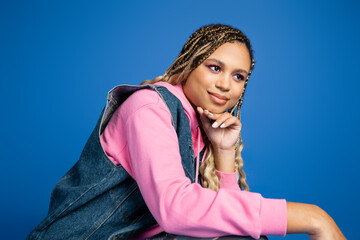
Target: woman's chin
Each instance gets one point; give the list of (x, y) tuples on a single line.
[(215, 109)]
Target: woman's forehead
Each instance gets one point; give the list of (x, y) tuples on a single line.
[(233, 54)]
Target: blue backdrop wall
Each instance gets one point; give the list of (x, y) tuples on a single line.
[(300, 115)]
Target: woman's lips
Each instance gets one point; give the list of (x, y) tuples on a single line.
[(218, 98)]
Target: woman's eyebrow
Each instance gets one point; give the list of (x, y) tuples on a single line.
[(223, 64)]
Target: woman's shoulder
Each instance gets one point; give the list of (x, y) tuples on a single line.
[(142, 99), (148, 96)]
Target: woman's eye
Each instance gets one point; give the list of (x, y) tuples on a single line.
[(239, 77), (214, 68)]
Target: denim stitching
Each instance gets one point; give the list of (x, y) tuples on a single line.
[(133, 188), (103, 219), (100, 222), (54, 216), (122, 211)]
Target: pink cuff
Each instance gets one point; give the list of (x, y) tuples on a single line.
[(228, 180), (273, 216)]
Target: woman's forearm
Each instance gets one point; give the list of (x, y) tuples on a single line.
[(302, 218), (312, 220)]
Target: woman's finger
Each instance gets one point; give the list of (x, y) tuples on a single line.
[(224, 120), (204, 118), (231, 122)]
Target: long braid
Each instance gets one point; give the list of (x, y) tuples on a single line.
[(200, 45)]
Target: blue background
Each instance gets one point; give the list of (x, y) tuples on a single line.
[(300, 115)]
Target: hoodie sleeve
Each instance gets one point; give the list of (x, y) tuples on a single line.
[(185, 208), (228, 180)]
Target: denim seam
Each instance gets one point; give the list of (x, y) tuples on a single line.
[(54, 216), (142, 216), (117, 200), (108, 112), (61, 180), (109, 213), (133, 188), (113, 99), (100, 222)]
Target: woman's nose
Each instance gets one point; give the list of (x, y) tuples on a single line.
[(223, 83)]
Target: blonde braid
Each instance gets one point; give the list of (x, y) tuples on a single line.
[(239, 163), (207, 169), (200, 45)]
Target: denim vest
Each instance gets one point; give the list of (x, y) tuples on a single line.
[(99, 200)]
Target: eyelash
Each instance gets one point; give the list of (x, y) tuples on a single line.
[(240, 78), (214, 66)]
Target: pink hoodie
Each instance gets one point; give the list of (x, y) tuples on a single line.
[(141, 138)]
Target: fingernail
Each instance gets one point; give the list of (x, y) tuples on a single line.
[(222, 125), (214, 125), (208, 112)]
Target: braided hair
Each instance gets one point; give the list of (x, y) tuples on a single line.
[(200, 45)]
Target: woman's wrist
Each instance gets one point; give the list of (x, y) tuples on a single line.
[(224, 159)]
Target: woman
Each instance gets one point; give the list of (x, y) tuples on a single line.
[(138, 176)]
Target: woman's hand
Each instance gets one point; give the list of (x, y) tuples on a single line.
[(312, 220), (223, 134)]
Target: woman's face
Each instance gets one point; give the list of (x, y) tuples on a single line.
[(218, 82)]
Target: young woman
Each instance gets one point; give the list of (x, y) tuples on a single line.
[(165, 157)]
